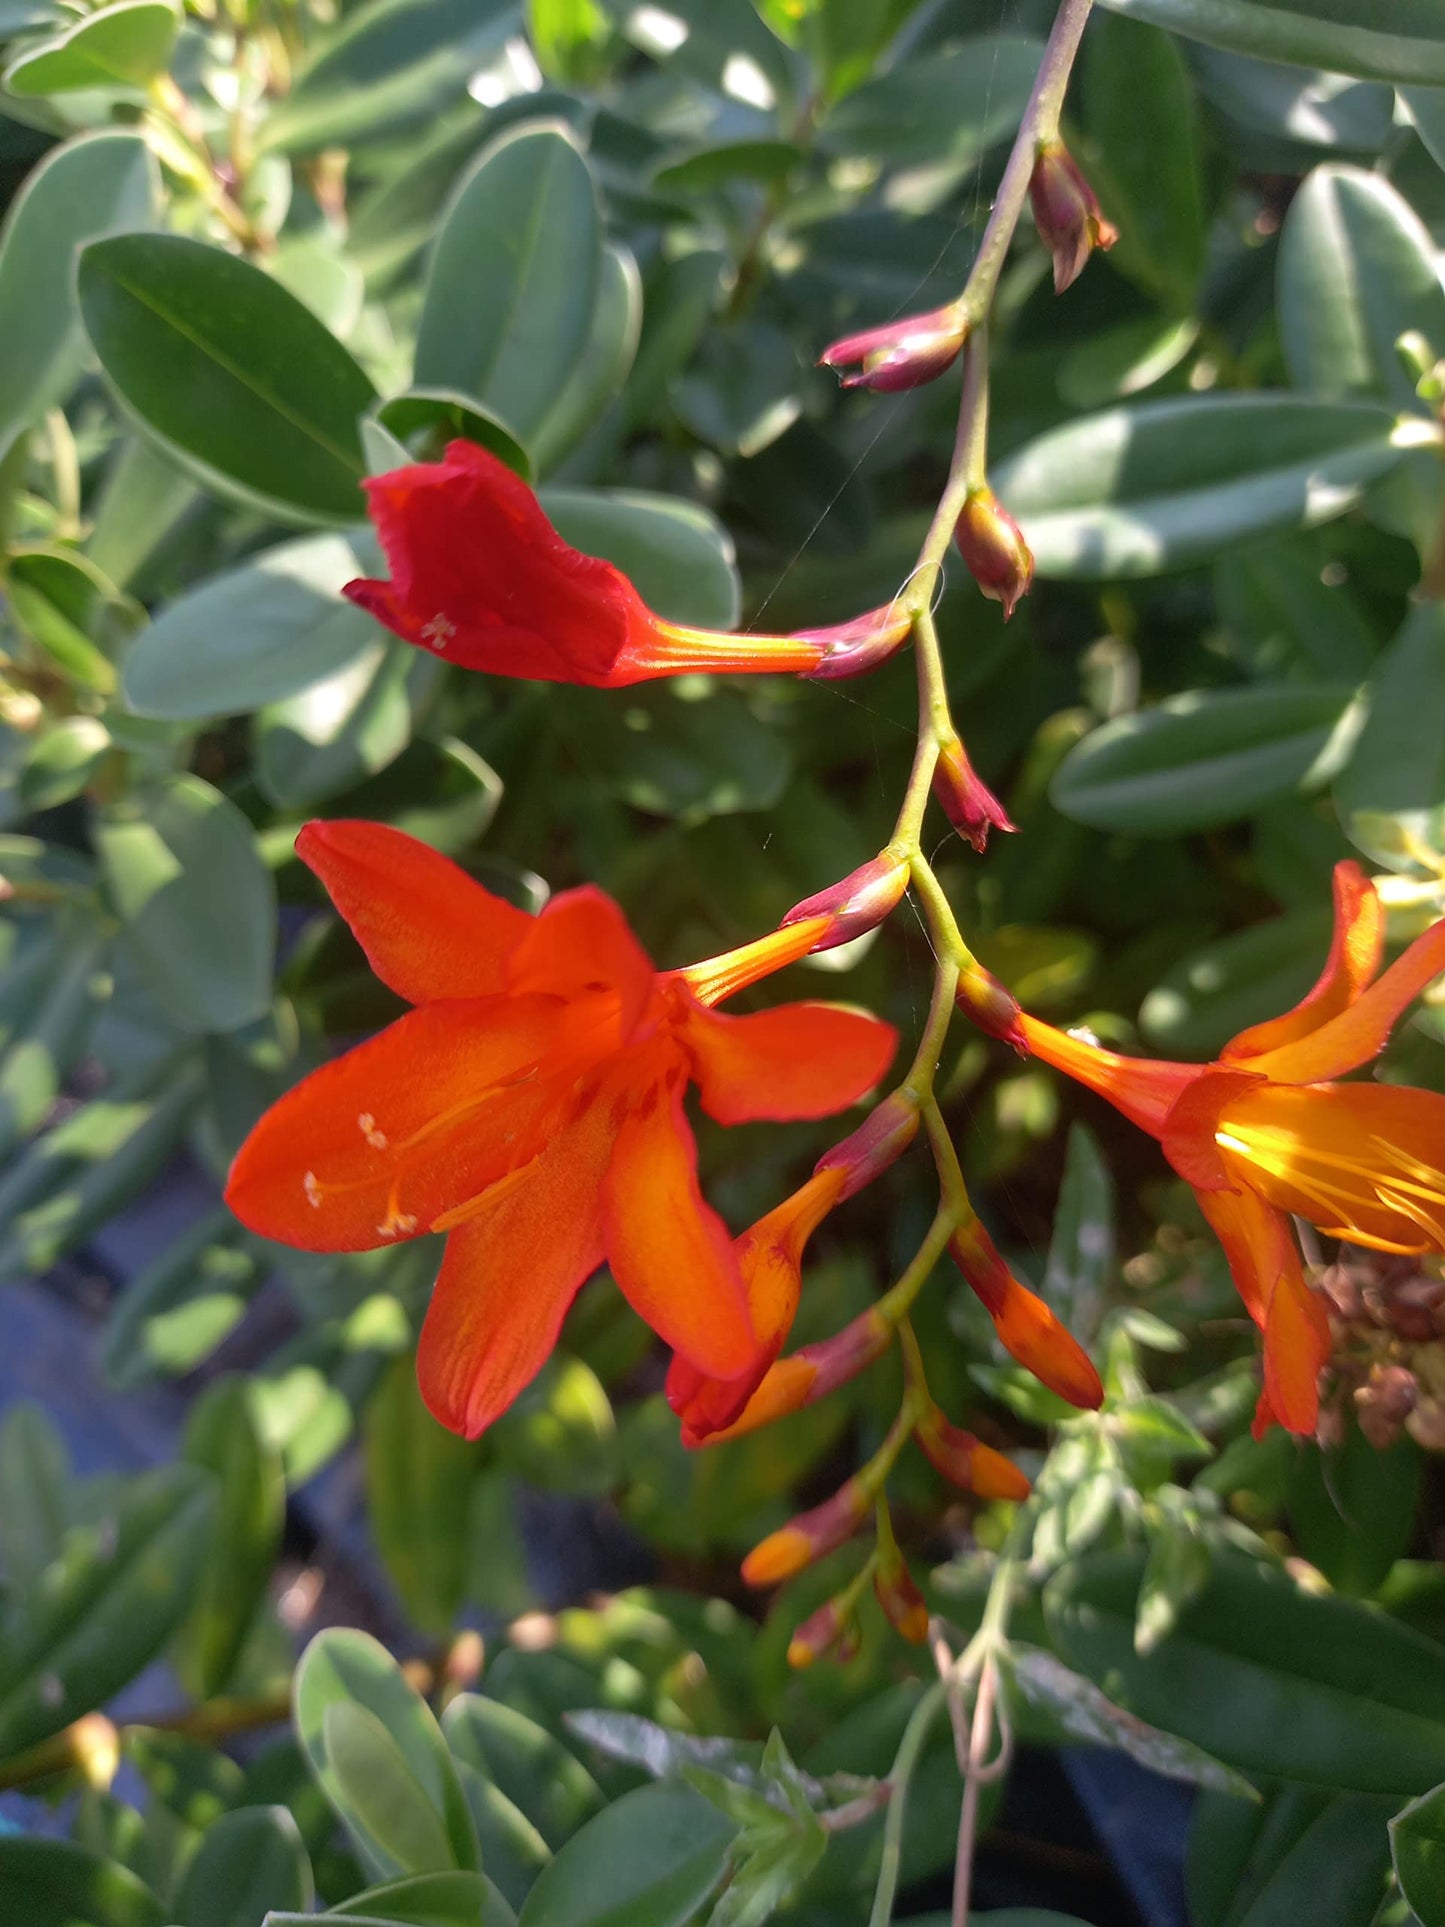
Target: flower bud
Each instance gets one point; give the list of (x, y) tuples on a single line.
[(966, 1461), (853, 648), (992, 544), (970, 805), (801, 1379), (859, 902), (900, 354), (1027, 1329), (810, 1536), (879, 1141), (995, 1010), (1066, 213), (829, 1629), (899, 1597)]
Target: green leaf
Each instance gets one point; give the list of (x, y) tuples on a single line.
[(601, 369), (535, 1771), (174, 1313), (423, 420), (393, 1784), (106, 1606), (560, 1434), (1341, 1859), (1417, 1843), (229, 372), (255, 634), (1081, 1258), (677, 555), (431, 1900), (568, 36), (1353, 1508), (745, 388), (1289, 616), (197, 902), (386, 66), (125, 45), (89, 187), (1205, 758), (1162, 485), (52, 1883), (329, 737), (649, 1860), (1270, 1679), (1404, 39), (50, 1032), (1391, 793), (34, 1496), (419, 1480), (63, 759), (513, 278), (249, 1861), (1221, 989), (678, 753), (66, 606), (1356, 271), (222, 1438)]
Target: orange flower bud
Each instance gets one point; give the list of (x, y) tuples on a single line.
[(859, 902), (970, 805), (786, 1552), (829, 1629), (992, 544), (899, 1597), (1067, 213), (879, 1141), (1027, 1329), (984, 1000), (853, 648), (802, 1379), (900, 354), (966, 1461)]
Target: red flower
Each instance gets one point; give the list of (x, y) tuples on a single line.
[(1265, 1133), (531, 1105), (480, 577)]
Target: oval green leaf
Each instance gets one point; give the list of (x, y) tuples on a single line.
[(248, 1862), (1391, 794), (229, 372), (1381, 39), (1417, 1841), (125, 45), (678, 556), (649, 1860), (54, 1883)]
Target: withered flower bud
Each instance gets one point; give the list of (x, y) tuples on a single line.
[(1384, 1402), (1067, 213)]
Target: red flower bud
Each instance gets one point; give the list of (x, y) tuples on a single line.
[(853, 648), (966, 1461), (992, 544), (969, 804), (899, 1597), (985, 1001), (810, 1536), (880, 1140), (859, 902), (1067, 213), (900, 354), (829, 1629), (1027, 1329)]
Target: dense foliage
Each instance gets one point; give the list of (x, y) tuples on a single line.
[(259, 251)]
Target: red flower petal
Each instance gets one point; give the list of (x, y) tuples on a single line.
[(1353, 960), (378, 1143), (580, 944), (509, 1275), (800, 1060), (429, 931), (669, 1251)]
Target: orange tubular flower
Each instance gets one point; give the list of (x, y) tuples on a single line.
[(480, 577), (1026, 1328), (531, 1105), (1265, 1133)]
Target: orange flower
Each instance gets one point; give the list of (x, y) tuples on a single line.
[(1265, 1133), (480, 577), (531, 1105)]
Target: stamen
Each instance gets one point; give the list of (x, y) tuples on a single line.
[(439, 631), (376, 1139), (312, 1188)]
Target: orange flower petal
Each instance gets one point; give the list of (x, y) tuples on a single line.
[(1265, 1261), (1353, 960), (800, 1060), (581, 943), (1360, 1033), (379, 1142), (1257, 1241), (1142, 1088), (428, 929), (1188, 1137), (1027, 1329), (733, 970), (509, 1275), (669, 1251)]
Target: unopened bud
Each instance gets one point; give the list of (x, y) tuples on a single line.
[(985, 1002), (993, 546), (1027, 1329), (879, 1141), (1067, 213), (853, 648), (830, 1629), (859, 902), (902, 1602), (900, 354), (966, 1461), (801, 1379), (968, 803), (810, 1536)]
